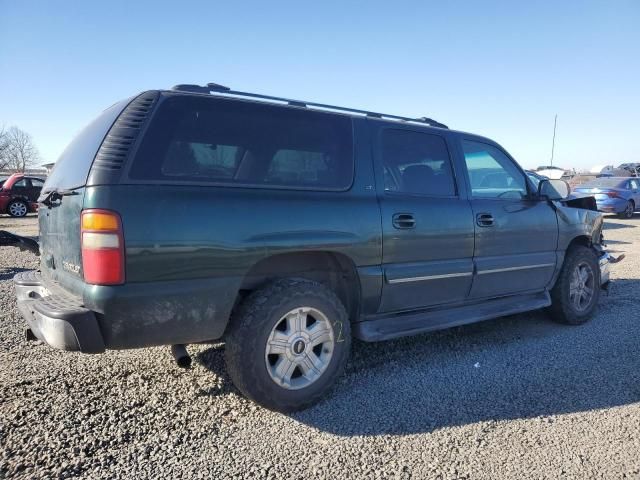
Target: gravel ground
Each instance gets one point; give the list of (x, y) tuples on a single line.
[(517, 397)]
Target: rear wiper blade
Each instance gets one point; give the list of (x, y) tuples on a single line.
[(51, 196)]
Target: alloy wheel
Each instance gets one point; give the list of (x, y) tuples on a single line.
[(581, 288), (18, 209), (628, 212), (299, 348)]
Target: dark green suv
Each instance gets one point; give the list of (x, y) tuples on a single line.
[(285, 228)]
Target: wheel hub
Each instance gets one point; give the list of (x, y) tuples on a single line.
[(18, 209), (581, 288), (299, 348)]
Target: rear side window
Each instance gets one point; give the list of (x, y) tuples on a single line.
[(72, 168), (416, 163), (220, 141)]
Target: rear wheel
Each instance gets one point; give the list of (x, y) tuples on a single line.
[(18, 208), (628, 210), (287, 344), (577, 291)]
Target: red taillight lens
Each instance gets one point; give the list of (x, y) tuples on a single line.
[(612, 194), (102, 247)]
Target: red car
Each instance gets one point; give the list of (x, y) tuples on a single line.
[(19, 194)]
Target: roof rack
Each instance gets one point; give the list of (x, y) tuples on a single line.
[(221, 89)]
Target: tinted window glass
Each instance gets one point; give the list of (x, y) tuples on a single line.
[(491, 173), (36, 182), (193, 139), (22, 183), (72, 168), (416, 163)]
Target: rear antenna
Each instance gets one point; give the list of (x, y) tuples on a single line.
[(553, 142)]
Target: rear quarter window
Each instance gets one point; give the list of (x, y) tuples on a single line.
[(72, 168), (221, 141)]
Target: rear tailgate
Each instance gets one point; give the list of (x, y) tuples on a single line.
[(59, 215), (60, 254)]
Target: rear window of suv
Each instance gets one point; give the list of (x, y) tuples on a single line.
[(221, 141), (72, 168)]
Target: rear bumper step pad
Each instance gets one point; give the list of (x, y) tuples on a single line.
[(57, 319)]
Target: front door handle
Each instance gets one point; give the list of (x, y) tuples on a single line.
[(404, 220), (485, 220)]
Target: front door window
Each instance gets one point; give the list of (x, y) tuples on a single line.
[(491, 173)]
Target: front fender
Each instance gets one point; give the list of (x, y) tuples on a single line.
[(578, 222)]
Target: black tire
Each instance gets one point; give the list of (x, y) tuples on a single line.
[(563, 308), (18, 208), (254, 322), (628, 211)]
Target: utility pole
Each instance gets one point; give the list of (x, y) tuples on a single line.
[(553, 142)]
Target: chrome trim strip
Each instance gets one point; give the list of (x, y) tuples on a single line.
[(513, 269), (430, 277)]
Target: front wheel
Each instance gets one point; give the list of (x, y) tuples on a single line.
[(287, 344), (577, 291)]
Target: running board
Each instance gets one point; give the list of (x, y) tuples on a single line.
[(386, 327)]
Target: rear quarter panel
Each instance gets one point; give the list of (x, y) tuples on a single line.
[(188, 249), (186, 232)]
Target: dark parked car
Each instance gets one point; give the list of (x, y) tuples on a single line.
[(619, 195), (285, 228), (19, 194)]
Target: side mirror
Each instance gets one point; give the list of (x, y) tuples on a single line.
[(552, 189)]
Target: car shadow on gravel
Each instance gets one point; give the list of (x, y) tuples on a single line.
[(616, 242), (9, 273), (609, 225), (516, 367)]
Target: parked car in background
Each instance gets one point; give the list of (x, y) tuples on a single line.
[(614, 172), (620, 195), (19, 194), (550, 171), (633, 168)]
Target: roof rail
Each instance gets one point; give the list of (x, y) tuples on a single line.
[(221, 89)]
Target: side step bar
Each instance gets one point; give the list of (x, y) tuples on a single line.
[(386, 327)]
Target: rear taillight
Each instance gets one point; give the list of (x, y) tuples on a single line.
[(612, 194), (102, 247)]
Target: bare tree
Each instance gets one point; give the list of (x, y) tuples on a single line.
[(19, 151), (4, 147)]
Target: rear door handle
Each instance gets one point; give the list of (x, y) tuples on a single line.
[(485, 220), (404, 220)]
